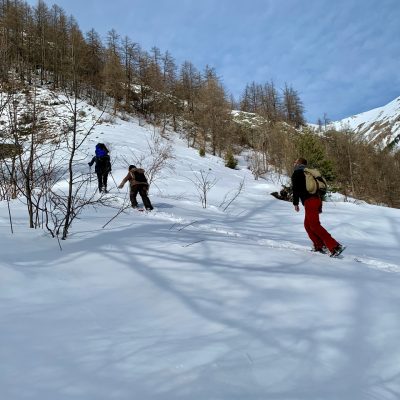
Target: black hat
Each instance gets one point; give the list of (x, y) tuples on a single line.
[(132, 166)]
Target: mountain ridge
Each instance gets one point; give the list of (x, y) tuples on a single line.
[(380, 125)]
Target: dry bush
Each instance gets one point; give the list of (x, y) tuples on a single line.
[(157, 158)]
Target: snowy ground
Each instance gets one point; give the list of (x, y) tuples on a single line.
[(201, 304)]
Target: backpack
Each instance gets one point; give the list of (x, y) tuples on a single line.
[(139, 176), (315, 182), (101, 150)]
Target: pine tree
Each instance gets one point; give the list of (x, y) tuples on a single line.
[(310, 147)]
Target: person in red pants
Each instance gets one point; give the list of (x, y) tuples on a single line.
[(313, 207)]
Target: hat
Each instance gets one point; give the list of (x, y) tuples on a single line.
[(132, 166)]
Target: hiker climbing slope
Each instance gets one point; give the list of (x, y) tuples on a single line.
[(138, 184), (102, 167), (313, 207)]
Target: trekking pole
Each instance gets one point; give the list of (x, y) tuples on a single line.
[(121, 210), (112, 176), (90, 175)]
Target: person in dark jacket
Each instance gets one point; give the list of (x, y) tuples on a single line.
[(102, 167), (138, 184), (313, 207)]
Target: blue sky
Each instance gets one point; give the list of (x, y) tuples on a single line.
[(342, 56)]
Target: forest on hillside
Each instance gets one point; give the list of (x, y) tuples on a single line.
[(42, 46)]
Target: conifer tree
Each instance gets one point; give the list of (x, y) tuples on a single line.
[(130, 55), (94, 67), (309, 146), (293, 107), (113, 73), (214, 113)]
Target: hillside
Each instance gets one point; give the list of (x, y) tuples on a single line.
[(380, 125), (186, 302)]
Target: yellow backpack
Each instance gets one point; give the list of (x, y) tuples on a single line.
[(315, 182)]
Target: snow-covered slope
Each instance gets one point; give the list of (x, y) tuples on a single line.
[(194, 303), (380, 125)]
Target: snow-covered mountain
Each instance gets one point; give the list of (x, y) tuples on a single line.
[(186, 302), (380, 125)]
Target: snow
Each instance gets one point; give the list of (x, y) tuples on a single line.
[(374, 122), (193, 303), (388, 112)]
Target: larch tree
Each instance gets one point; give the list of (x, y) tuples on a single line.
[(93, 67), (293, 107), (130, 55), (113, 72), (214, 114)]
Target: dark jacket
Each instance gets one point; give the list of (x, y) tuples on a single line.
[(299, 186), (103, 164), (135, 177)]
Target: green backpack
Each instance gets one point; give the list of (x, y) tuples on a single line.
[(315, 182)]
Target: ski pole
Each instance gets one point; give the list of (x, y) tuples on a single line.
[(112, 176)]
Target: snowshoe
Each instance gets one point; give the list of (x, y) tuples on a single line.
[(337, 251), (322, 250)]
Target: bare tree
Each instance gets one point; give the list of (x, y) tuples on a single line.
[(231, 196), (203, 182), (157, 158), (293, 107), (257, 163), (213, 114), (113, 72)]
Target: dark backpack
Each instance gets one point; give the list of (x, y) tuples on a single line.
[(139, 176)]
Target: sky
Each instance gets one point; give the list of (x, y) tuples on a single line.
[(342, 56), (185, 302)]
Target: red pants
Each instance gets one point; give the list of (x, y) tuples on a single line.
[(317, 233)]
